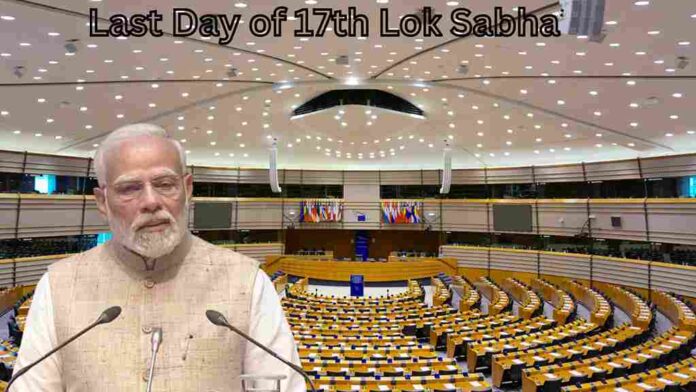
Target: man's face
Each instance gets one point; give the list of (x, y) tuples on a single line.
[(146, 195)]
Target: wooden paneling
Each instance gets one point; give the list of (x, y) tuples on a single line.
[(372, 271)]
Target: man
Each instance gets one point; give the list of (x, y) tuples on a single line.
[(163, 277)]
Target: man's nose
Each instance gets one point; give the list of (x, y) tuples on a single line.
[(150, 200)]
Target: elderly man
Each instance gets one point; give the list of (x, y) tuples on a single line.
[(163, 277)]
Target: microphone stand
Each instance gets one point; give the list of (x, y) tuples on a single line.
[(106, 317), (156, 340), (218, 319)]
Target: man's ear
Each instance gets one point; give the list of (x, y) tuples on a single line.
[(100, 198), (188, 184)]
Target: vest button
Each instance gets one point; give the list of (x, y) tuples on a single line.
[(149, 283), (147, 329)]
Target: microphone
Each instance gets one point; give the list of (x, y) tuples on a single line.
[(156, 340), (106, 317), (218, 319)]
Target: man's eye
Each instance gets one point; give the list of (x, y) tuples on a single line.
[(129, 189), (166, 185)]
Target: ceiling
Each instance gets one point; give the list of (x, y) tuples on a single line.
[(524, 101)]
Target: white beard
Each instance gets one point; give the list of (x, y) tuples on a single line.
[(150, 244)]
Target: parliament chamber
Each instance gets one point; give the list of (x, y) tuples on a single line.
[(438, 213)]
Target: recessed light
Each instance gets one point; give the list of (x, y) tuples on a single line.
[(654, 32), (677, 95), (7, 18), (25, 44)]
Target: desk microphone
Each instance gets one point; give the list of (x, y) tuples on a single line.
[(218, 319), (106, 317)]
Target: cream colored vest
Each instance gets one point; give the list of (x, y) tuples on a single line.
[(172, 293)]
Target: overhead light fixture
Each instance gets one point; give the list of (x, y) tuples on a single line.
[(70, 46), (19, 71), (682, 62)]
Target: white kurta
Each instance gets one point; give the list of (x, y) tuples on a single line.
[(267, 325)]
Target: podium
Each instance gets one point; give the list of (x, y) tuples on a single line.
[(261, 382)]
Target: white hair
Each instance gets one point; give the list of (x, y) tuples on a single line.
[(115, 138)]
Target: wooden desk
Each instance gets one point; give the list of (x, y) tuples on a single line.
[(372, 271)]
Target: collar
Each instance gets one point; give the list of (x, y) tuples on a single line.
[(145, 266)]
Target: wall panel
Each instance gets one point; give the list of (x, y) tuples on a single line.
[(469, 215), (259, 215), (669, 166), (561, 173), (353, 209), (8, 215), (625, 272), (11, 161), (94, 222), (361, 177), (516, 175), (562, 217), (514, 260), (215, 174), (570, 265), (672, 220), (255, 176), (467, 256), (320, 177), (401, 177), (50, 216), (469, 176), (617, 170), (674, 279), (631, 212)]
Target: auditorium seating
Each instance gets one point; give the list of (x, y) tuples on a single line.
[(563, 304), (600, 310), (371, 344), (469, 298), (498, 299), (530, 305), (606, 370), (441, 293)]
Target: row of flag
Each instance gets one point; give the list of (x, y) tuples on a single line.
[(315, 211), (402, 211)]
